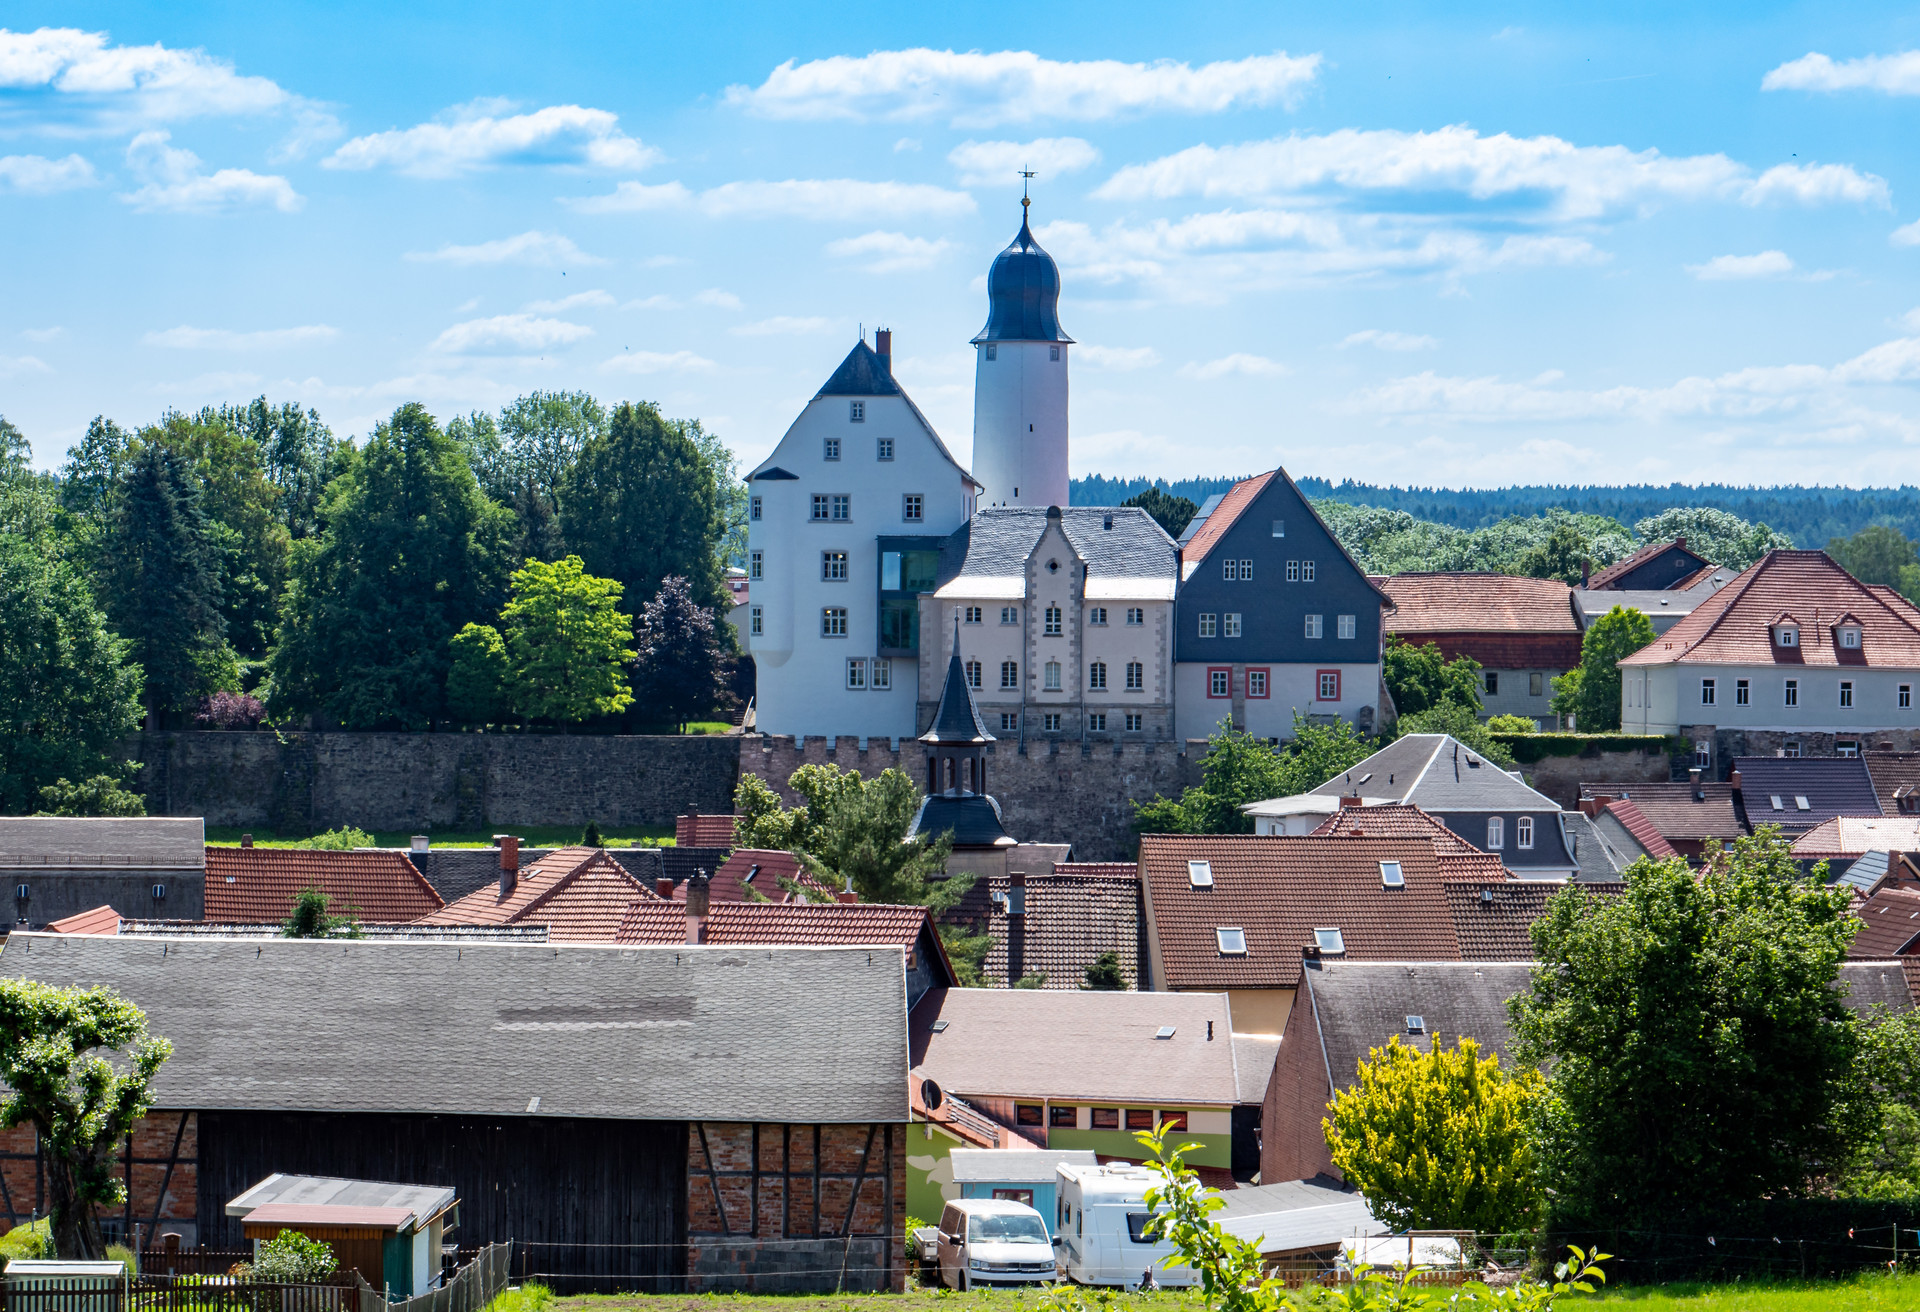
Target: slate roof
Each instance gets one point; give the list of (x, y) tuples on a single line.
[(987, 556), (682, 863), (1278, 891), (1605, 578), (1889, 924), (100, 920), (1494, 928), (1478, 603), (1896, 777), (1068, 1044), (258, 885), (1641, 831), (1601, 848), (863, 373), (1671, 810), (957, 720), (1832, 786), (1437, 773), (1734, 625), (1074, 913), (1253, 1058), (580, 893), (669, 1033), (1023, 293), (696, 830), (1852, 836), (116, 843), (972, 818)]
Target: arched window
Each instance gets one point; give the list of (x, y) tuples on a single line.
[(973, 675), (1136, 676), (1009, 674), (1523, 833), (1496, 833), (1053, 676), (1097, 676), (1053, 621)]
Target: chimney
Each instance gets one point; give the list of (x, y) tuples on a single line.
[(1591, 807), (1349, 799), (883, 347), (1734, 779), (1681, 542), (509, 863), (664, 887), (697, 892), (421, 842), (246, 840), (1586, 571), (847, 895)]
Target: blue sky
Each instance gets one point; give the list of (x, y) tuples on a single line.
[(1454, 244)]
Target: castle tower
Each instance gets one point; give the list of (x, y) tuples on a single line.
[(1020, 380)]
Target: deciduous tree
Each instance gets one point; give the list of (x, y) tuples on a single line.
[(478, 678), (1420, 678), (1591, 693), (1239, 768), (567, 643), (678, 673)]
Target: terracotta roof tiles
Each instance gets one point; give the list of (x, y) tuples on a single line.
[(1073, 914), (1238, 498), (1889, 924), (1673, 813), (580, 893), (1852, 836), (1479, 603), (100, 920), (1493, 920), (257, 885), (697, 830), (1644, 831), (795, 924)]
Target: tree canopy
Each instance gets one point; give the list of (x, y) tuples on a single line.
[(680, 668), (1239, 768), (1170, 512), (1420, 678), (1591, 691), (566, 643)]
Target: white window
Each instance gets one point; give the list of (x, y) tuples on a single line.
[(1846, 748), (856, 414), (856, 673), (1787, 635), (993, 351), (754, 622), (885, 446), (1229, 570), (1009, 722), (1097, 615), (1523, 833), (754, 559), (1053, 621), (1792, 692), (833, 448), (1706, 692), (1009, 674), (1136, 614), (1136, 676), (1052, 675), (1134, 719), (1703, 752), (1293, 571), (1200, 874), (1256, 683), (1347, 625), (1850, 637), (1009, 614), (1230, 624), (1329, 685), (1097, 722), (1050, 722), (1097, 676), (1246, 571), (820, 503), (833, 622), (1209, 624), (833, 566), (1314, 623), (973, 615), (1306, 571), (1279, 528), (1391, 875), (1742, 692), (1330, 942), (1219, 683), (1790, 748), (1053, 353), (1906, 696), (882, 674), (913, 507), (1846, 694), (842, 506), (973, 674), (1233, 942), (753, 508), (1496, 833)]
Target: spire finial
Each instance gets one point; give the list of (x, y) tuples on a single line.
[(1025, 200)]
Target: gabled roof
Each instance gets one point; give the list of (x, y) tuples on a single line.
[(100, 920), (987, 556), (1889, 924), (792, 924), (1197, 542), (1277, 891), (697, 830), (1065, 1043), (765, 871), (1734, 625), (258, 885), (580, 894), (1652, 551), (50, 842), (1674, 815), (1478, 603), (482, 1029), (1643, 830), (1492, 919), (1851, 836), (1395, 820), (1896, 780), (1437, 773), (1073, 913), (1832, 786)]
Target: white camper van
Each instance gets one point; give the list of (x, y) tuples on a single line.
[(1102, 1220), (994, 1241)]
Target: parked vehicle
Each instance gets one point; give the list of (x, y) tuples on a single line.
[(1102, 1220), (994, 1241)]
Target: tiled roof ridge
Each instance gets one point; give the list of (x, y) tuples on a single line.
[(1728, 598), (1645, 833), (596, 860), (1225, 515)]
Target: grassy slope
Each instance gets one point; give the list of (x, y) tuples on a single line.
[(529, 836)]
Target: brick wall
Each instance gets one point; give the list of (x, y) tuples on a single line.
[(1292, 1144), (159, 1162)]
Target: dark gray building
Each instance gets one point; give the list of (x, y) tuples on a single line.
[(144, 867)]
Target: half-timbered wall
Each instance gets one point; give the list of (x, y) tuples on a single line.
[(160, 1163)]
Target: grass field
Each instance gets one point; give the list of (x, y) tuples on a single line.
[(529, 836)]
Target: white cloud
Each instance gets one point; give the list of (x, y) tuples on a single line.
[(656, 362), (1237, 363), (185, 338), (634, 198), (1727, 268), (509, 334), (216, 383), (785, 325), (906, 144), (985, 162), (37, 175), (13, 365), (799, 198), (1118, 358), (715, 297), (544, 249), (43, 334), (173, 181), (1016, 86), (1545, 173), (1896, 75), (477, 135), (1908, 235), (1384, 340), (889, 252), (565, 303)]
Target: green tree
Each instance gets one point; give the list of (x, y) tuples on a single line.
[(1716, 535), (161, 576), (296, 453), (1239, 768), (1510, 724), (69, 690), (103, 794), (1563, 555), (1591, 693), (1168, 511), (1700, 1055), (1463, 725), (411, 552), (566, 643), (93, 468), (1439, 1140), (760, 820), (1876, 554), (680, 669), (1420, 678), (641, 505), (730, 494), (479, 676), (78, 1066), (544, 433), (312, 917), (1104, 973), (293, 1258)]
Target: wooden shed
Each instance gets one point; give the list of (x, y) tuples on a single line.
[(390, 1233)]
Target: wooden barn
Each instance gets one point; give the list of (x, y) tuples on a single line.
[(635, 1117)]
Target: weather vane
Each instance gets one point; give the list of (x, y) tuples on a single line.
[(1024, 201)]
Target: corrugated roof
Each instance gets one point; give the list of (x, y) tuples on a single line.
[(258, 885), (359, 1218), (1277, 891), (1479, 603), (1641, 829), (580, 893), (1889, 924), (1060, 1043), (1735, 625), (100, 920), (114, 843), (1832, 786), (667, 1033), (1845, 836), (282, 1190), (1437, 773), (1671, 810), (697, 830)]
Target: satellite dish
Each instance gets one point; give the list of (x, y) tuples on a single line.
[(930, 1095)]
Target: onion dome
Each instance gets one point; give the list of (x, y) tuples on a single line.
[(1023, 292)]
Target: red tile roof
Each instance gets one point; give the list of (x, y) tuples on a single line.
[(793, 924), (1458, 858), (579, 893), (1851, 836), (761, 869), (257, 885), (698, 830), (1237, 499), (1671, 810), (1910, 967), (1073, 914), (1889, 924), (1479, 603), (1644, 831), (1278, 891), (100, 920), (1735, 625), (1495, 928), (1602, 579)]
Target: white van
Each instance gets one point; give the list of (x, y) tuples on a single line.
[(994, 1241), (1103, 1218)]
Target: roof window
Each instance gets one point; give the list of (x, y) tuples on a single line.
[(1787, 635), (1200, 874), (1233, 942), (939, 1027), (1850, 637), (1416, 1024), (1330, 942), (1391, 875), (1164, 1032), (1800, 802), (1777, 804)]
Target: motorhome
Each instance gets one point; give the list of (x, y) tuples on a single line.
[(994, 1241), (1102, 1219)]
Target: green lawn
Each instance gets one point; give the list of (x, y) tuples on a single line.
[(1876, 1293), (529, 836)]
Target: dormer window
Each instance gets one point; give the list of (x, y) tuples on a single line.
[(1786, 635), (1849, 635)]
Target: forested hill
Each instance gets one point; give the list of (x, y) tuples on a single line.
[(1808, 515)]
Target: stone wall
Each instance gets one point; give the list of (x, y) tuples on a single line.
[(1560, 777)]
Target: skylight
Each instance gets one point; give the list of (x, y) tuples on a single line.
[(1800, 803), (939, 1027), (1416, 1024), (1330, 942), (1778, 805), (1164, 1032), (1233, 942), (1391, 875), (1200, 874)]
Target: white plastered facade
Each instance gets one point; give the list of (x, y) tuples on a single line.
[(1020, 422)]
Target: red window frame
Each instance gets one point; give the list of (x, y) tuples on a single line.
[(1212, 670), (1320, 678), (1266, 682)]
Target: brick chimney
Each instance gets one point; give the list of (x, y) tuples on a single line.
[(1591, 807), (847, 895), (664, 887), (883, 347), (697, 895), (246, 840), (1349, 799), (509, 863)]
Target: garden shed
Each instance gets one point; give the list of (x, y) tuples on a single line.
[(390, 1233)]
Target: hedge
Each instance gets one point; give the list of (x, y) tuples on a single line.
[(1775, 1238), (1530, 747)]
